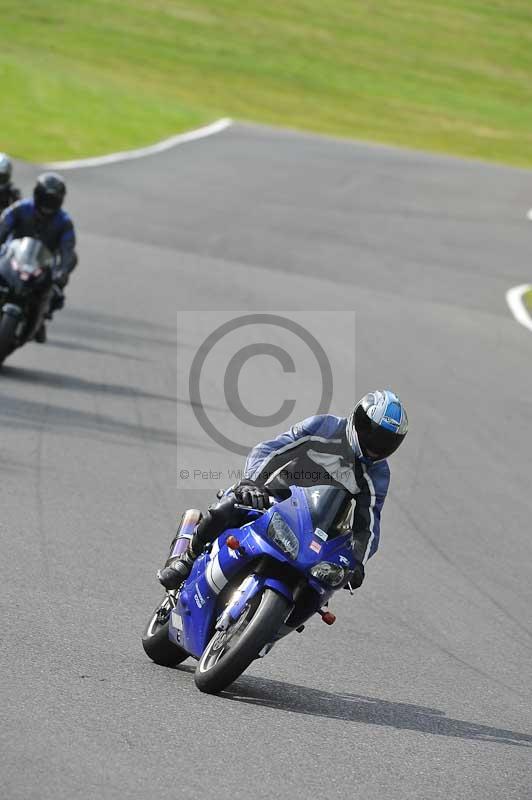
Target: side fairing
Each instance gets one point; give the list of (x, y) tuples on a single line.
[(197, 610), (193, 619)]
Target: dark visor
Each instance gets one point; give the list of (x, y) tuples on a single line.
[(49, 200), (372, 437)]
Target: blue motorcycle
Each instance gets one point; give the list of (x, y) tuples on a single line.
[(255, 584)]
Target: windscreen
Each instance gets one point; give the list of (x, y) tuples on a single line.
[(329, 508), (30, 254)]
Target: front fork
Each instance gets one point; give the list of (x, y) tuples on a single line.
[(247, 590), (28, 320)]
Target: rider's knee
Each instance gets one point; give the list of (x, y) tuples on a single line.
[(223, 511)]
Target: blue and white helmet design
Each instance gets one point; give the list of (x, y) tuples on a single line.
[(377, 425)]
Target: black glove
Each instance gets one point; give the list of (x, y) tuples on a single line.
[(251, 494), (356, 577)]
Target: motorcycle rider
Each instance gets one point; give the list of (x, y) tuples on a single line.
[(347, 452), (44, 218), (9, 193)]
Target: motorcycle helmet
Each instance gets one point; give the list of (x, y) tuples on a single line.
[(378, 425), (5, 169), (49, 193)]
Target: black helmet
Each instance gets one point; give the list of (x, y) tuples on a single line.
[(379, 423), (49, 193), (5, 169)]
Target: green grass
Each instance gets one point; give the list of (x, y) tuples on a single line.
[(83, 77), (527, 299)]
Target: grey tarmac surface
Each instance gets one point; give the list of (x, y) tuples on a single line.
[(422, 688)]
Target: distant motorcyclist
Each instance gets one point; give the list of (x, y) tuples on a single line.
[(9, 193), (347, 452), (43, 218)]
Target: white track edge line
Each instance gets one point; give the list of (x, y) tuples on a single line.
[(529, 214), (514, 298), (158, 147)]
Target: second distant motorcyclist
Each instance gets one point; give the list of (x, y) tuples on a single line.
[(44, 218), (9, 193)]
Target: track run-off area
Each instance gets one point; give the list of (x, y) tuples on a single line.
[(422, 687)]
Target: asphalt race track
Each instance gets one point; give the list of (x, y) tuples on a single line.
[(422, 688)]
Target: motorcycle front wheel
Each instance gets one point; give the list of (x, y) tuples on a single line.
[(8, 326), (230, 652)]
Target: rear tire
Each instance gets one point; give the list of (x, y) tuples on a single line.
[(155, 640), (231, 652), (8, 326)]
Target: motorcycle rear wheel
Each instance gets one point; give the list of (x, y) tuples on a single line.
[(231, 652), (156, 643)]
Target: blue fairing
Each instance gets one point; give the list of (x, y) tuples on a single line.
[(198, 607)]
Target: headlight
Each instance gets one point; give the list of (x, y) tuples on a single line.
[(283, 536), (330, 574)]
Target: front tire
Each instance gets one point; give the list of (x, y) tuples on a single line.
[(8, 326), (155, 640), (231, 652)]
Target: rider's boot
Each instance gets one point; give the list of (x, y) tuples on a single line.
[(184, 549), (40, 335), (178, 567), (178, 570)]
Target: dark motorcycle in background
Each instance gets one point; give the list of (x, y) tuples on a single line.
[(25, 292)]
